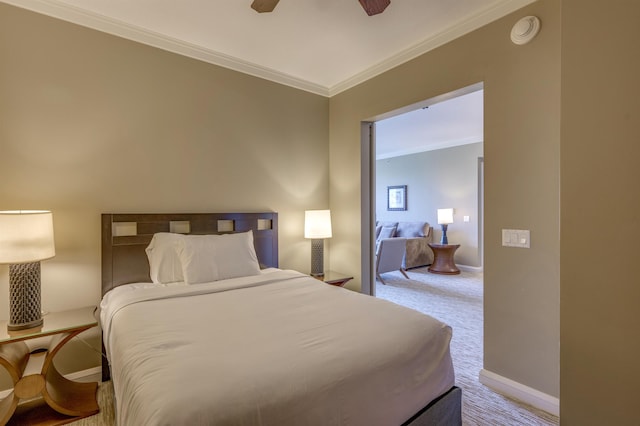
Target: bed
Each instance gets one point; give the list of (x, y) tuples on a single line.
[(200, 327)]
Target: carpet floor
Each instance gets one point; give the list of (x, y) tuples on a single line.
[(457, 301), (453, 299)]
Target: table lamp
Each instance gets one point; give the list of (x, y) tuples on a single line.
[(26, 238), (445, 217), (317, 226)]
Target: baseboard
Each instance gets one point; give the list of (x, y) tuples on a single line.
[(521, 392), (468, 268), (90, 375)]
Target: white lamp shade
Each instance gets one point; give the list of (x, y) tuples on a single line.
[(445, 216), (317, 224), (26, 236)]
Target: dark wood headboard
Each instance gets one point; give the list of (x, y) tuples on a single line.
[(125, 237)]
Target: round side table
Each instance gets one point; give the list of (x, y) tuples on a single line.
[(443, 259)]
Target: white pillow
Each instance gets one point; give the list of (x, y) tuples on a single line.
[(207, 258), (197, 254), (164, 263), (237, 256)]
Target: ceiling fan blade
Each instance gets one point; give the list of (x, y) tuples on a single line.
[(373, 7), (264, 5)]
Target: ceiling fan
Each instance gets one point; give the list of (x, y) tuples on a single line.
[(372, 7)]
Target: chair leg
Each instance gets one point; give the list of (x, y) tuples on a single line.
[(380, 278), (404, 273)]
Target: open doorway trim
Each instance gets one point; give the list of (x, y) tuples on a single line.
[(367, 173), (367, 201)]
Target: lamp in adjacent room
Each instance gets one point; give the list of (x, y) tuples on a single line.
[(26, 238), (445, 217), (317, 226)]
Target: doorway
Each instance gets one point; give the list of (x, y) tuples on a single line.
[(417, 147)]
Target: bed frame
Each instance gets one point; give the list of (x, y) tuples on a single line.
[(125, 237), (124, 260)]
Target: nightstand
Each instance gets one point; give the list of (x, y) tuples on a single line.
[(443, 259), (334, 278), (53, 399)]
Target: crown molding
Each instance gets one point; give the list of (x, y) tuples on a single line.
[(66, 12), (496, 11), (75, 15), (431, 147)]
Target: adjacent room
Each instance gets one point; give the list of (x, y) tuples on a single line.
[(434, 155)]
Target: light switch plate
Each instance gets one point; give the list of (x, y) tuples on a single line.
[(516, 238)]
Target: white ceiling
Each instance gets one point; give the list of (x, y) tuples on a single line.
[(452, 122), (321, 46)]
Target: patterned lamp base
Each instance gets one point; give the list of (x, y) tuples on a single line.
[(24, 296), (317, 257), (444, 239)]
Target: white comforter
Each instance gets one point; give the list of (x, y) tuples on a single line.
[(279, 348)]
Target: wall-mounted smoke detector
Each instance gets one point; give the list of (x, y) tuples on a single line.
[(525, 30)]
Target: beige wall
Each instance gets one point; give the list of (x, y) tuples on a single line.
[(91, 123), (521, 149), (600, 297)]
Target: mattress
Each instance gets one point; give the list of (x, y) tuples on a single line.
[(279, 348)]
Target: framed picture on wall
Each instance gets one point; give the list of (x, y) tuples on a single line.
[(397, 197)]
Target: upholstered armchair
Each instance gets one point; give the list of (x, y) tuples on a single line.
[(389, 255)]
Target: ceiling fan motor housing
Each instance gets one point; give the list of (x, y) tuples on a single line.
[(264, 5), (373, 7)]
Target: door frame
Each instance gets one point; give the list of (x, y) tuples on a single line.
[(367, 181)]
